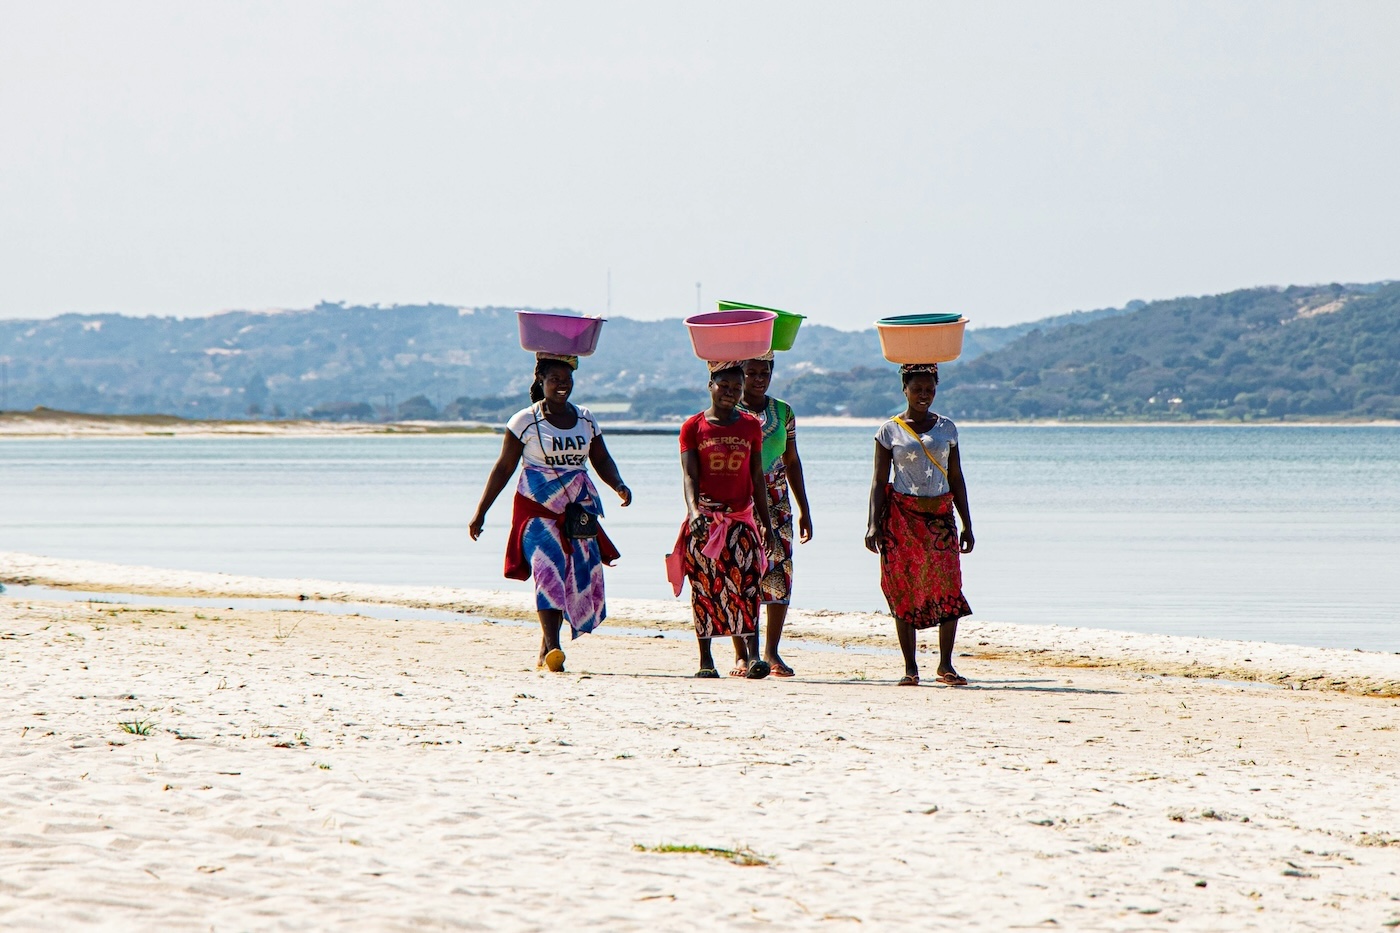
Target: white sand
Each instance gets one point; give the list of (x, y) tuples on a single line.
[(307, 771), (310, 771)]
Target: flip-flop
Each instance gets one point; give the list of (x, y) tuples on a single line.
[(554, 660), (908, 680), (740, 670), (779, 669), (758, 670), (707, 673), (952, 679)]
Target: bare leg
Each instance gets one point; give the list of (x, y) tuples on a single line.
[(777, 615), (947, 632), (707, 660), (550, 622), (908, 644), (741, 654)]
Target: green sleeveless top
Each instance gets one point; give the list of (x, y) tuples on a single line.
[(779, 426)]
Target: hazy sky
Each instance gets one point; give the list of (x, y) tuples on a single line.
[(846, 160)]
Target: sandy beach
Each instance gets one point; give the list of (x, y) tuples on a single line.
[(199, 768)]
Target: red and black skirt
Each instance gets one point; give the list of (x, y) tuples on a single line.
[(920, 569)]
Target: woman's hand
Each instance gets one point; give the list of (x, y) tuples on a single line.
[(774, 547), (804, 528), (966, 541), (872, 540), (624, 494), (478, 523), (699, 525)]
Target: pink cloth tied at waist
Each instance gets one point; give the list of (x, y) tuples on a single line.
[(720, 524)]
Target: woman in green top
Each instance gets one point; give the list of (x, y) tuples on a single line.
[(782, 471)]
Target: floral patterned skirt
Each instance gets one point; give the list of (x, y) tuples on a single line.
[(724, 590), (777, 582), (920, 570)]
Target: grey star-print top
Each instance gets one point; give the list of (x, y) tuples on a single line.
[(913, 474)]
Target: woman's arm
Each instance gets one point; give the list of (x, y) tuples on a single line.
[(602, 461), (798, 484), (690, 485), (959, 486), (511, 449), (878, 480)]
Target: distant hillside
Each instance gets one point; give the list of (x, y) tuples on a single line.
[(1262, 353), (1325, 351), (341, 362)]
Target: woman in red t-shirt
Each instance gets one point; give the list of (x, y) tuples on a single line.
[(721, 550)]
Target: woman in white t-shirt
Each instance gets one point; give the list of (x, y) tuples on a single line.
[(911, 523), (557, 441)]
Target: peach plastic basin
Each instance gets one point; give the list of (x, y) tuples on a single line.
[(921, 343), (731, 335)]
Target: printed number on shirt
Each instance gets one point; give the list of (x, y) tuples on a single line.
[(730, 463)]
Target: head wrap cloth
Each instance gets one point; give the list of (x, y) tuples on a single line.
[(569, 361), (721, 365), (909, 369)]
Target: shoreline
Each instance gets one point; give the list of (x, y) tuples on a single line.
[(1363, 673), (49, 424)]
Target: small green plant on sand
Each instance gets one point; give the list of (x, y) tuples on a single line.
[(137, 727), (740, 856)]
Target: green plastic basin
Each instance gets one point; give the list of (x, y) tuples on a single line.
[(921, 319), (784, 328)]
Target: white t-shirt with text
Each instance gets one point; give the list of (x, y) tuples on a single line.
[(550, 447)]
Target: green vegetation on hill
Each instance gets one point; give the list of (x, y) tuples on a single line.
[(1315, 352), (1328, 351)]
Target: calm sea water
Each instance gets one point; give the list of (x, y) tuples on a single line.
[(1287, 534)]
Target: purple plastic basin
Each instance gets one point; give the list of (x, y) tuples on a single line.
[(564, 334), (731, 335)]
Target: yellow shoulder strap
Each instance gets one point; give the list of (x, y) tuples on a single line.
[(905, 425)]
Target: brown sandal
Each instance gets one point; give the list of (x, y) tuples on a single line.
[(908, 680)]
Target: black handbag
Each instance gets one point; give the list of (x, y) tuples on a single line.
[(578, 521)]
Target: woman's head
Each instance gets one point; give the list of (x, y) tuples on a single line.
[(920, 381), (726, 386), (758, 373), (554, 380)]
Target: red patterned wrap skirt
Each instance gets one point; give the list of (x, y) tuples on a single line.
[(920, 569)]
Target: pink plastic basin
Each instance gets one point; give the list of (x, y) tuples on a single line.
[(564, 334), (731, 335)]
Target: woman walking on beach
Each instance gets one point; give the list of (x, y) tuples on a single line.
[(554, 535), (784, 482), (720, 549), (911, 523)]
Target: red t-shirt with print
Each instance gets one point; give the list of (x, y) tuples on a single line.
[(725, 451)]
